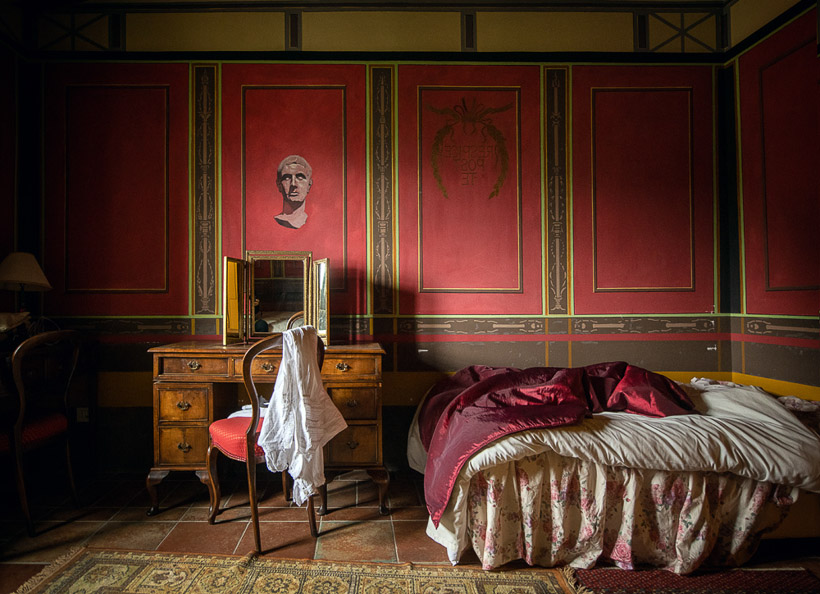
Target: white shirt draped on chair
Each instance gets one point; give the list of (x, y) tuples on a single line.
[(300, 418)]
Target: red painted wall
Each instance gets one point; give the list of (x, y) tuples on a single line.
[(271, 112), (469, 208), (643, 190), (470, 223), (780, 143), (116, 189)]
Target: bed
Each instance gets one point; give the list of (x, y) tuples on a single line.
[(614, 484)]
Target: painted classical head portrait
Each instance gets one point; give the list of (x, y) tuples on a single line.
[(294, 177)]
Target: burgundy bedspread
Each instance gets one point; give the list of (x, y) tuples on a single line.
[(480, 404)]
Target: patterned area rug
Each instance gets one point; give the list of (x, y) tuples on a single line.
[(739, 581), (112, 572)]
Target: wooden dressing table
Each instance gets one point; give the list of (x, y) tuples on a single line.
[(195, 384)]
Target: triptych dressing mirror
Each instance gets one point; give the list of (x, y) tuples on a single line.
[(272, 291)]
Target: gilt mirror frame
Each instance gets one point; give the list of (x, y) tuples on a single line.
[(288, 294), (320, 298), (234, 300)]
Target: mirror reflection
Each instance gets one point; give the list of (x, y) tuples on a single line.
[(273, 291), (279, 289)]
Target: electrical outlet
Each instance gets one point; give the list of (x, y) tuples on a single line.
[(82, 414)]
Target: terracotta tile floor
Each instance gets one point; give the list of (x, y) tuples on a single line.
[(113, 515)]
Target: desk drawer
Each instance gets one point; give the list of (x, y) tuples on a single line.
[(341, 367), (263, 368), (356, 403), (182, 446), (358, 444), (192, 366), (182, 403)]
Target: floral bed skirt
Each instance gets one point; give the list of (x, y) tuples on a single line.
[(552, 510)]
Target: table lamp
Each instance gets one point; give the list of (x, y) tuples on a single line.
[(20, 271)]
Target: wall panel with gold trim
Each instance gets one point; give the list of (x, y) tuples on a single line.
[(643, 206), (780, 136), (469, 190), (116, 189)]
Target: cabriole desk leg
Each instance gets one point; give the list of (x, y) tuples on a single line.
[(381, 477), (154, 478)]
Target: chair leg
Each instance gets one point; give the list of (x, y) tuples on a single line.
[(314, 531), (21, 490), (212, 457), (286, 485), (322, 500), (70, 469), (251, 469)]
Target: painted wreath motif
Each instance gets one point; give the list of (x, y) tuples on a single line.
[(472, 117)]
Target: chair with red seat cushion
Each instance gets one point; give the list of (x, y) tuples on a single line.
[(236, 438), (42, 367)]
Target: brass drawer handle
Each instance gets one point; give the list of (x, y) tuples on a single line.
[(182, 405), (352, 403), (184, 447), (342, 366), (193, 365), (267, 366), (352, 444)]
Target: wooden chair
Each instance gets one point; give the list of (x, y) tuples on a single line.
[(297, 319), (42, 367), (236, 438)]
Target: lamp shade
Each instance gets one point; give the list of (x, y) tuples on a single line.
[(20, 271)]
